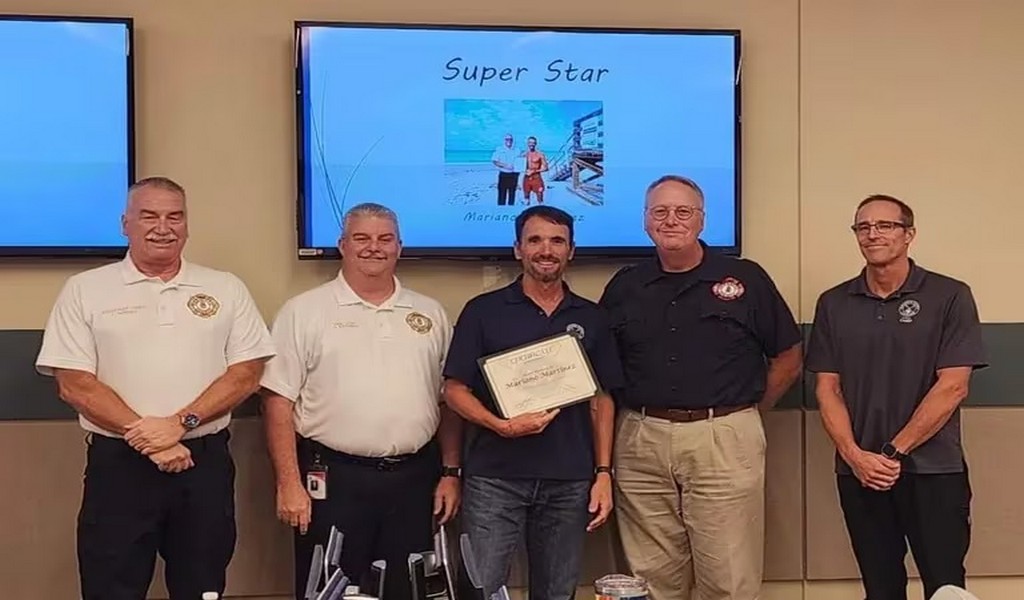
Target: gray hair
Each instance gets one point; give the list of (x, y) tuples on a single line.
[(676, 179), (161, 183), (369, 209)]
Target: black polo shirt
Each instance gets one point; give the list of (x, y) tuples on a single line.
[(507, 318), (887, 351), (697, 339)]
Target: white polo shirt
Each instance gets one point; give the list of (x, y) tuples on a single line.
[(509, 156), (157, 344), (365, 380)]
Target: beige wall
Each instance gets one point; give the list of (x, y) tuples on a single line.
[(918, 98)]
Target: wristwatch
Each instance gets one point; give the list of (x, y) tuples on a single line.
[(890, 451), (447, 471), (190, 421), (603, 469)]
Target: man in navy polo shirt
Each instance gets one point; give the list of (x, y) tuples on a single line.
[(546, 475), (894, 349)]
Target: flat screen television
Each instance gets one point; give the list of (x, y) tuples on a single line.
[(442, 123), (66, 129)]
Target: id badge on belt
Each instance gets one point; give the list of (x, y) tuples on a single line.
[(316, 480)]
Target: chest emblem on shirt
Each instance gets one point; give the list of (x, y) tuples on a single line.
[(575, 330), (203, 306), (908, 309), (419, 322), (728, 289)]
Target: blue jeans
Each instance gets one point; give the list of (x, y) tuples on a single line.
[(553, 515)]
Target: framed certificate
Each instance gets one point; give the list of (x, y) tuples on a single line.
[(550, 373)]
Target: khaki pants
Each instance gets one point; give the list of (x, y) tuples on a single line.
[(690, 504)]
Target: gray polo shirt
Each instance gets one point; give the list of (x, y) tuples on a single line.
[(887, 352)]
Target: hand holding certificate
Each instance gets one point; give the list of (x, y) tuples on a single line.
[(547, 374)]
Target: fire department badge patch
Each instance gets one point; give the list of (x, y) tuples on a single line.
[(418, 322), (728, 289), (203, 305)]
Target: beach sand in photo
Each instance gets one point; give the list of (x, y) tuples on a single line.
[(476, 185)]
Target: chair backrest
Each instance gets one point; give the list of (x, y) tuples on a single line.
[(444, 562), (335, 587), (378, 571), (316, 568), (417, 577), (952, 592), (469, 586)]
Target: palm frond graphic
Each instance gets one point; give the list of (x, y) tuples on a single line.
[(337, 207)]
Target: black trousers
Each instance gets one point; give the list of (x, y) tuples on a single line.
[(931, 512), (385, 511), (507, 183), (130, 511)]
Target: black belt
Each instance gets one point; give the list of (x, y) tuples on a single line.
[(381, 463), (196, 443)]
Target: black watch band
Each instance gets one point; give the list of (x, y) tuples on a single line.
[(603, 469), (447, 471), (890, 451)]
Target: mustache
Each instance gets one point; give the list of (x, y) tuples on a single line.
[(546, 258)]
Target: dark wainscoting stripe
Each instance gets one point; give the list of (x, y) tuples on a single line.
[(27, 396), (998, 385)]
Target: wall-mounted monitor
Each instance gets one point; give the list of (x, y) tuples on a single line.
[(458, 129), (66, 129)]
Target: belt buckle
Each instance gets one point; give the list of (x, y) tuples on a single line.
[(688, 414), (388, 463)]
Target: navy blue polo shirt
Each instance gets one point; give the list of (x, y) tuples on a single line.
[(700, 338), (507, 318)]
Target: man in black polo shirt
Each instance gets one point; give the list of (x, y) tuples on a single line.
[(894, 349), (705, 339), (546, 475)]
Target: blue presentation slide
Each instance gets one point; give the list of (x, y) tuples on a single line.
[(63, 133), (459, 130)]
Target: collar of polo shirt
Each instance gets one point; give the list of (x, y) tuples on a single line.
[(712, 267), (346, 297), (915, 278), (131, 273), (514, 293)]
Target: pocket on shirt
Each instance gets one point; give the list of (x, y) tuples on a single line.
[(636, 330), (733, 319)]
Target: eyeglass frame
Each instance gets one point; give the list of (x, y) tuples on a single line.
[(877, 226), (674, 210)]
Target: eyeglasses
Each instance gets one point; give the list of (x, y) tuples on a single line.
[(882, 227), (683, 213)]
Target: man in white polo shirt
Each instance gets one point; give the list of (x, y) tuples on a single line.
[(154, 352), (357, 433)]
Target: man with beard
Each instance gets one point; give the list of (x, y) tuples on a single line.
[(893, 350), (706, 341), (354, 423), (154, 352), (544, 477)]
